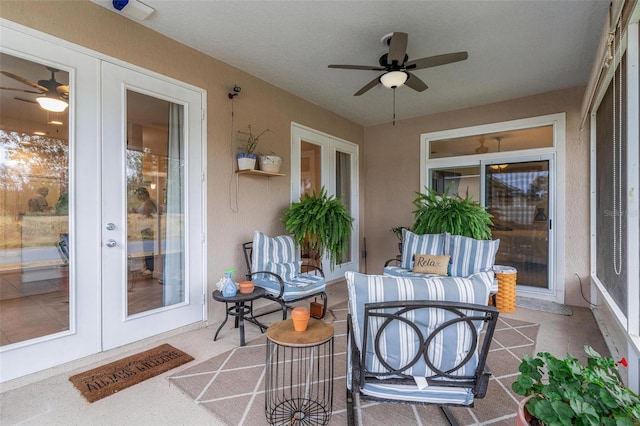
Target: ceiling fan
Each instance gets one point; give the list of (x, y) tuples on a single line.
[(396, 65), (55, 94)]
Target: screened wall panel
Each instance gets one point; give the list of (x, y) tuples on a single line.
[(611, 189)]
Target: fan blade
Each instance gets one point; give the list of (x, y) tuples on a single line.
[(26, 100), (357, 67), (24, 81), (20, 90), (63, 90), (397, 48), (434, 61), (370, 85), (415, 83)]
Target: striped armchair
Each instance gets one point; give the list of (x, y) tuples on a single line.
[(273, 263), (418, 340)]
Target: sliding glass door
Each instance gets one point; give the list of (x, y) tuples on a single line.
[(510, 168)]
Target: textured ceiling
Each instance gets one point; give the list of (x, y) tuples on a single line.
[(516, 47)]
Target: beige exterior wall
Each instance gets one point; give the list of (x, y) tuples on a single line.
[(260, 201), (392, 173), (389, 165)]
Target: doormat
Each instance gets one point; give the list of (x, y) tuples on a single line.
[(110, 378)]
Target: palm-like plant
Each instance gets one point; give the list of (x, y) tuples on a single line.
[(323, 222)]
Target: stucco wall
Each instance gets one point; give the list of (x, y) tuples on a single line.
[(392, 173), (260, 201)]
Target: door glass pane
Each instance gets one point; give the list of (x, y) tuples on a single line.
[(34, 201), (310, 182), (464, 181), (343, 190), (155, 202), (517, 196), (309, 168)]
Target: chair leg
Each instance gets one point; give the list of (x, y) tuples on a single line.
[(449, 415), (351, 419), (284, 310)]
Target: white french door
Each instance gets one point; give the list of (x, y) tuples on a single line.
[(49, 305), (152, 191), (320, 160), (102, 233)]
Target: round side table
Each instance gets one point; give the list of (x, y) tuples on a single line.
[(299, 374), (239, 310)]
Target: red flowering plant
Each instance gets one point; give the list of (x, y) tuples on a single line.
[(567, 393)]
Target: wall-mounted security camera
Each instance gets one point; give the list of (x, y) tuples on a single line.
[(236, 90), (133, 9)]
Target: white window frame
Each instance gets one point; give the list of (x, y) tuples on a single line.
[(556, 291)]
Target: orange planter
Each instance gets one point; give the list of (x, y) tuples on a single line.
[(246, 287), (300, 317)]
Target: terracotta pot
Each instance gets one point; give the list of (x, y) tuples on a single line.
[(523, 417), (300, 317), (246, 287)]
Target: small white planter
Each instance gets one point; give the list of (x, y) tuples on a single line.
[(270, 163), (246, 161)]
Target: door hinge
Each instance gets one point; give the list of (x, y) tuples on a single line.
[(203, 114), (204, 299)]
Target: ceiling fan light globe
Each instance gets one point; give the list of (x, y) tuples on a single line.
[(52, 104), (393, 79)]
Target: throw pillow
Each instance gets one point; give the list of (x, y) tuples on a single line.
[(469, 255), (280, 249), (414, 243), (431, 264)]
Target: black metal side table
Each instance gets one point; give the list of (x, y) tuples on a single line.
[(299, 374), (240, 310)]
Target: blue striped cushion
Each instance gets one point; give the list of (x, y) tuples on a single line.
[(396, 271), (287, 271), (303, 285), (468, 255), (398, 341), (420, 244), (430, 395), (281, 249)]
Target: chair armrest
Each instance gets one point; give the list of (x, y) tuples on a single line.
[(310, 267), (276, 276), (390, 261)]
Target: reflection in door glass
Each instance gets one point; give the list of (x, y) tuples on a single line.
[(155, 202), (518, 199), (462, 181), (34, 203), (343, 191)]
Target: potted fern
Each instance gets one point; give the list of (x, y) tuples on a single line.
[(322, 223), (564, 392), (437, 213)]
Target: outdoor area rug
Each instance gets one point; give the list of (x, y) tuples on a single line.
[(231, 385), (110, 378)]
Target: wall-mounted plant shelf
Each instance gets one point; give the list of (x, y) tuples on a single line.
[(258, 173)]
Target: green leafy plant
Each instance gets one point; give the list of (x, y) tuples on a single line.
[(567, 393), (397, 231), (323, 222), (437, 213), (250, 145)]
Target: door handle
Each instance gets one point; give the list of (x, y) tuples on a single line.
[(111, 243)]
